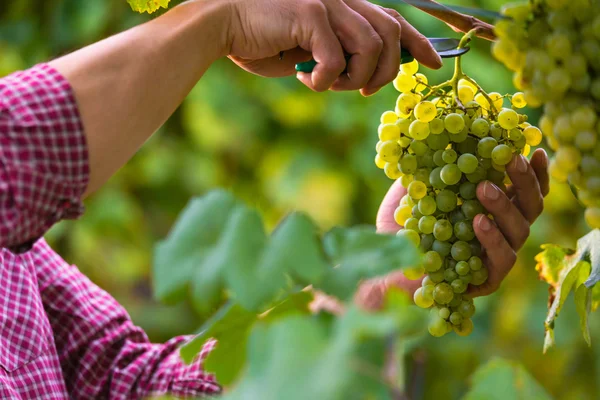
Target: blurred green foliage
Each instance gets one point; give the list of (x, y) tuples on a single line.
[(280, 148)]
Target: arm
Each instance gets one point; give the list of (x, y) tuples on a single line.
[(101, 352)]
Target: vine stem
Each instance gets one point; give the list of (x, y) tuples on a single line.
[(457, 21)]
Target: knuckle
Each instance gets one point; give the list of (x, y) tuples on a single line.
[(313, 8), (374, 44)]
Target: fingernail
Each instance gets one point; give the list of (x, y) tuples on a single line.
[(491, 191), (485, 224)]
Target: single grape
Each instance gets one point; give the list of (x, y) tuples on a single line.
[(414, 273), (437, 327), (443, 248), (419, 130), (508, 119), (446, 200), (502, 154), (426, 242), (391, 170), (486, 146), (421, 299), (426, 224), (425, 111), (410, 235), (479, 276), (427, 282), (436, 126), (454, 123), (444, 312), (456, 318), (410, 68), (450, 275), (471, 208), (408, 164), (465, 328), (419, 148), (427, 205), (402, 214), (432, 261), (417, 190), (468, 190), (450, 174), (403, 124), (412, 224), (388, 132), (463, 230), (437, 276), (405, 82), (390, 151), (449, 156), (467, 163), (461, 251), (442, 230), (475, 263), (518, 100), (480, 127), (443, 293), (466, 309)]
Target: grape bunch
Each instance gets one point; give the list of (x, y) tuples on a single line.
[(441, 142), (553, 47)]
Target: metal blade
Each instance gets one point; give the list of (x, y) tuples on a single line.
[(475, 12)]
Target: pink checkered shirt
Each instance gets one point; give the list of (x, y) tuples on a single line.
[(61, 336)]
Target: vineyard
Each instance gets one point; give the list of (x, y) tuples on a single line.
[(258, 198)]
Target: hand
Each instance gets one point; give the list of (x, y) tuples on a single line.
[(323, 30), (514, 211)]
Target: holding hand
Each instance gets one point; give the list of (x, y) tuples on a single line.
[(324, 30)]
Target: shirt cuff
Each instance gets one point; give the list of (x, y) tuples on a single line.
[(43, 158)]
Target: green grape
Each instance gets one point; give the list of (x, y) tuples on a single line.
[(456, 216), (406, 102), (421, 82), (471, 208), (404, 142), (465, 94), (432, 261), (466, 278), (518, 100), (438, 142), (415, 212), (467, 146), (467, 163), (443, 293), (466, 309), (502, 154), (446, 200), (390, 151), (461, 251), (403, 124), (463, 230), (419, 130), (456, 318), (421, 299), (468, 190), (436, 179), (462, 268), (414, 273), (388, 117), (405, 180), (465, 328), (417, 190), (480, 127), (426, 242), (479, 276), (427, 205), (437, 327), (408, 164), (410, 235), (419, 148), (436, 126), (422, 175), (449, 156), (437, 276), (460, 136), (404, 82), (508, 119), (450, 174), (486, 146), (450, 275), (425, 111), (426, 224), (442, 230), (444, 312), (475, 263), (585, 140), (412, 224), (438, 159), (388, 132), (379, 162), (441, 247), (477, 176), (427, 282), (402, 214), (407, 201), (410, 68), (454, 123), (592, 217), (391, 170)]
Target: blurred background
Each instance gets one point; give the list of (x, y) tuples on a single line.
[(281, 147)]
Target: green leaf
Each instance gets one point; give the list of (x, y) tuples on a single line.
[(197, 229), (501, 379), (567, 270), (148, 6), (231, 327), (361, 253), (219, 248), (329, 361)]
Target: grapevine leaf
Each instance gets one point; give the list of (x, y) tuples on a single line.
[(568, 270), (231, 327), (501, 379), (195, 232), (327, 360), (219, 248), (148, 6), (362, 253)]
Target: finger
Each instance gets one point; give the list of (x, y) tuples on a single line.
[(385, 216), (528, 194), (388, 29), (275, 66), (539, 163), (418, 45), (360, 40), (508, 217), (324, 45), (371, 294), (500, 257)]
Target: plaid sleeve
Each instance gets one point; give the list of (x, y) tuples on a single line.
[(43, 155), (102, 353)]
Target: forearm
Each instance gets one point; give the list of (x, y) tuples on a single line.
[(128, 85)]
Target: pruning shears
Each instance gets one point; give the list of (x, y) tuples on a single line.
[(445, 47)]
